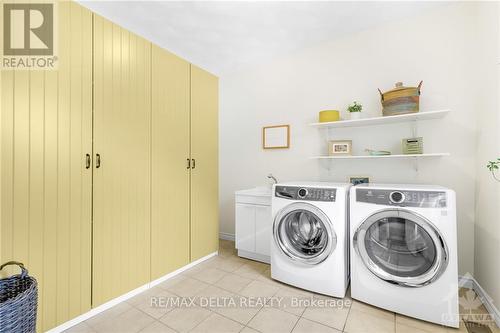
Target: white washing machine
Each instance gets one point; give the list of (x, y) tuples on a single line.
[(309, 248), (404, 250)]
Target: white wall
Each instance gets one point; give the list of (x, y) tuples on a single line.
[(487, 227), (439, 47)]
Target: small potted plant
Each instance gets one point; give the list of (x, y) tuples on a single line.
[(493, 166), (355, 110)]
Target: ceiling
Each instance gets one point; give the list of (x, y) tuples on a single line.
[(226, 36)]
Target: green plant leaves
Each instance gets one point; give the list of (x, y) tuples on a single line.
[(355, 107), (493, 166)]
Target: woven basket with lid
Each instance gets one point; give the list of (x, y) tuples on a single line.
[(400, 100)]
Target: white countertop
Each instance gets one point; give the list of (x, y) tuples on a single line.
[(260, 191)]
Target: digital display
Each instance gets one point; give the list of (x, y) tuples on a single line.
[(306, 193), (425, 199)]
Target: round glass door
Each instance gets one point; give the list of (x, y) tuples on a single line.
[(304, 233), (401, 247)]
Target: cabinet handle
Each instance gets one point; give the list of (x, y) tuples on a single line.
[(97, 161), (193, 164), (188, 163), (87, 161)]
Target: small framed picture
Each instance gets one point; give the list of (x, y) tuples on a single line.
[(276, 137), (340, 147), (356, 180)]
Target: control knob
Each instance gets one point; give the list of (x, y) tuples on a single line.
[(397, 197)]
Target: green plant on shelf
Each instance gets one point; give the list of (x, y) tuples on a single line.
[(355, 107), (493, 166)]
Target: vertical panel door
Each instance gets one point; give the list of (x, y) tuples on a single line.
[(121, 202), (204, 172), (170, 168), (245, 227), (46, 128)]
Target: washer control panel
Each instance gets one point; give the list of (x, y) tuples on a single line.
[(305, 193), (426, 199)]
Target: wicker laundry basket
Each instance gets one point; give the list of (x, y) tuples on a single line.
[(400, 100), (18, 302)]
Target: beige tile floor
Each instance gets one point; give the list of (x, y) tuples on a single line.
[(231, 294)]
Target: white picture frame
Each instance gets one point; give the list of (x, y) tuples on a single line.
[(339, 147)]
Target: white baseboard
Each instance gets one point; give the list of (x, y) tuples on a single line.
[(488, 302), (466, 282), (226, 236), (471, 283), (180, 270), (122, 298), (95, 311)]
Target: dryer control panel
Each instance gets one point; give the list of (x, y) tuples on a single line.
[(305, 193), (425, 199)]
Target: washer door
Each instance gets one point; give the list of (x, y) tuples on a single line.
[(401, 247), (304, 233)]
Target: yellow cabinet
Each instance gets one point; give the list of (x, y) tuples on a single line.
[(147, 202), (205, 171), (170, 158), (46, 131), (121, 197), (184, 163)]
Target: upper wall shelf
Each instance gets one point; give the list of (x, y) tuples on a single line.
[(384, 120), (344, 157)]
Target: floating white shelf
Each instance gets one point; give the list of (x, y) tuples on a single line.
[(346, 157), (384, 120)]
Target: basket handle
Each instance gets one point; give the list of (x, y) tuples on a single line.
[(24, 271), (420, 86), (381, 94)]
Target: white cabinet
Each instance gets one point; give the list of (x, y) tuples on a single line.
[(245, 227), (253, 224)]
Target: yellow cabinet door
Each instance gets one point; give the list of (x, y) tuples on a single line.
[(46, 131), (170, 173), (121, 183), (204, 172)]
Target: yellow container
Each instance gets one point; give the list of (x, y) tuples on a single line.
[(329, 115)]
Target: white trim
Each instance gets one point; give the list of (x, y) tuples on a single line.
[(122, 298), (180, 270), (226, 236), (466, 282), (487, 301), (471, 283), (101, 308)]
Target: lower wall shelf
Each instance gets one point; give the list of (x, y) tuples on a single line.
[(346, 157)]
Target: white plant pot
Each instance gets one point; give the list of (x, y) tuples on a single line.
[(355, 115)]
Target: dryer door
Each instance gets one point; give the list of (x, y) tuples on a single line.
[(401, 247), (304, 233)]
